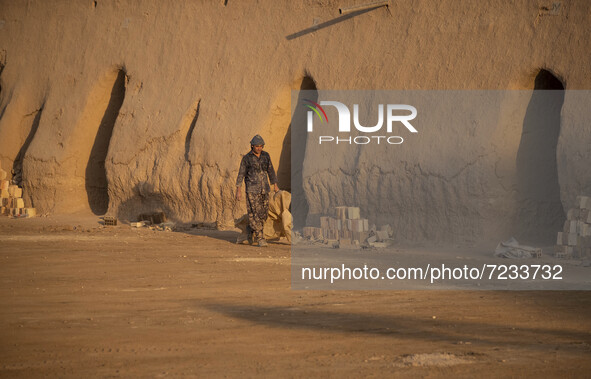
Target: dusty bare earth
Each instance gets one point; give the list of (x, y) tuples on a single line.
[(115, 302)]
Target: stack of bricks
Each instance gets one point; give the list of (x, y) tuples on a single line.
[(313, 233), (347, 227), (575, 238), (11, 199)]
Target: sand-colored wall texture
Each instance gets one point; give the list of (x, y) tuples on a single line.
[(130, 106)]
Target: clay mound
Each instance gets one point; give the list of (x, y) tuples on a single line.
[(126, 107)]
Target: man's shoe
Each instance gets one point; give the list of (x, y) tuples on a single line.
[(262, 243)]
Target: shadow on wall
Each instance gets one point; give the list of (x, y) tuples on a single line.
[(17, 166), (5, 97), (540, 213), (144, 200), (294, 147), (96, 175), (190, 132)]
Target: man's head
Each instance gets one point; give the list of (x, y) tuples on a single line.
[(257, 143)]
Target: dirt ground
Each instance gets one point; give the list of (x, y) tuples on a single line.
[(82, 300)]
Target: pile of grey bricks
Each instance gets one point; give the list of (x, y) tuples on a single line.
[(347, 228), (11, 199), (574, 241)]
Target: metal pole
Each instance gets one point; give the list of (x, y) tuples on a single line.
[(363, 7)]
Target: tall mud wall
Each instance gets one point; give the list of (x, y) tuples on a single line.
[(126, 106)]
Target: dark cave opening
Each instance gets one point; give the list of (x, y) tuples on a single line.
[(96, 175), (541, 213)]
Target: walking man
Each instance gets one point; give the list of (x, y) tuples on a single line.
[(254, 169)]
